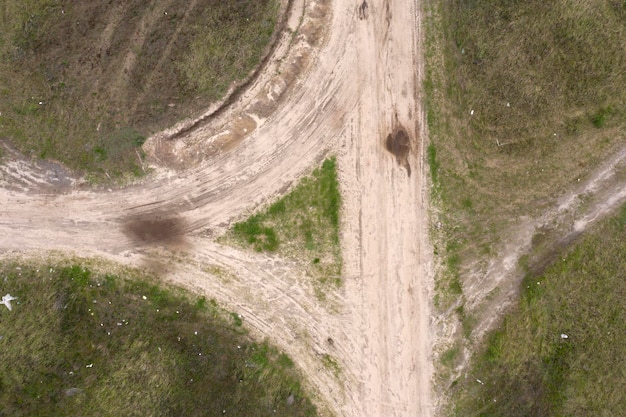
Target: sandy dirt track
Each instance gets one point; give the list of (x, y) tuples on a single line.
[(349, 85)]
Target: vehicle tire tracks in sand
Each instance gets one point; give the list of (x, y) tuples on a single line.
[(358, 94)]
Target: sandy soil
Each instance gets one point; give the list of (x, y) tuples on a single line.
[(346, 83)]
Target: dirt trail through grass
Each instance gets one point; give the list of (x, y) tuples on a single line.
[(369, 354), (343, 91), (491, 291)]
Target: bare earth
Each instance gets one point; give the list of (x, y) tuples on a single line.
[(348, 84)]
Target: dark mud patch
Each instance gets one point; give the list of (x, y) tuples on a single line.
[(155, 230), (398, 143), (362, 11)]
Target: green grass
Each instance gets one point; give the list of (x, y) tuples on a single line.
[(85, 82), (528, 369), (303, 224), (545, 83), (82, 343)]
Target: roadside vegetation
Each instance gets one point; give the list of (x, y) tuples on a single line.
[(303, 225), (86, 82), (560, 352), (523, 99), (77, 342)]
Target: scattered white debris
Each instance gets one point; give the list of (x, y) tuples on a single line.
[(144, 297), (89, 366), (508, 104), (471, 112), (480, 382), (6, 300), (196, 332), (564, 336), (177, 312)]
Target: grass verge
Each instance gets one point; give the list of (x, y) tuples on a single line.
[(522, 99), (303, 225), (560, 351), (81, 343), (85, 82)]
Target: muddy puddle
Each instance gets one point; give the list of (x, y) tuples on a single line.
[(399, 144), (155, 230)]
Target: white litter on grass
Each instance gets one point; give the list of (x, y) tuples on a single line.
[(471, 112), (6, 300), (480, 382), (508, 104), (144, 297), (89, 366), (564, 336), (196, 332)]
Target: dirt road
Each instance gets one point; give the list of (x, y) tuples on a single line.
[(347, 84)]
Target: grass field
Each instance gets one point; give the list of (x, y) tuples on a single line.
[(85, 82), (522, 99), (528, 368), (83, 343), (303, 225)]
